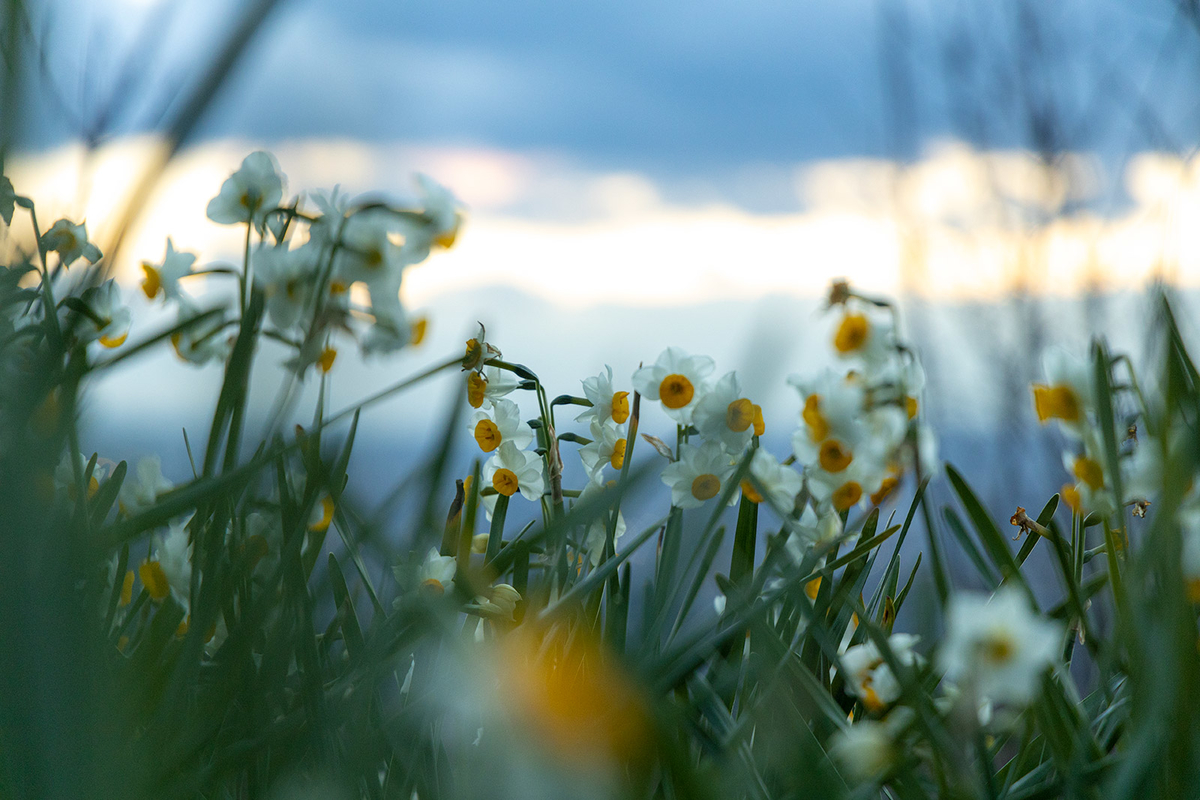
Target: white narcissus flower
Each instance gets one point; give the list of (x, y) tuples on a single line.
[(203, 341), (607, 404), (781, 484), (70, 241), (597, 531), (333, 206), (1067, 394), (868, 677), (502, 603), (436, 573), (677, 380), (832, 420), (512, 470), (369, 252), (724, 415), (487, 386), (169, 570), (110, 325), (850, 486), (698, 475), (248, 194), (607, 449), (288, 278), (1092, 488), (499, 425), (864, 750), (163, 278), (443, 210), (391, 329), (865, 334), (999, 646), (143, 488)]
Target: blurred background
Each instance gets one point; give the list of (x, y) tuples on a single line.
[(643, 175)]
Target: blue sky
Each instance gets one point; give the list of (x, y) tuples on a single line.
[(671, 86)]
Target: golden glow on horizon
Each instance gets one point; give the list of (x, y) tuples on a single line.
[(944, 227)]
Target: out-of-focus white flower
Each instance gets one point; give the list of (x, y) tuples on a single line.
[(607, 449), (1142, 472), (607, 405), (391, 329), (834, 408), (70, 241), (289, 279), (143, 488), (488, 385), (869, 678), (1067, 394), (724, 415), (501, 604), (443, 210), (502, 423), (249, 193), (698, 475), (999, 646), (864, 750), (1087, 468), (850, 486), (64, 474), (511, 470), (204, 341), (111, 317), (865, 334), (169, 570), (597, 531), (163, 278), (369, 251), (333, 206), (436, 573), (677, 380), (779, 483)]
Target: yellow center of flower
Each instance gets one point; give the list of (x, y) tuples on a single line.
[(818, 426), (997, 648), (739, 415), (618, 456), (114, 341), (419, 328), (155, 580), (833, 457), (326, 359), (373, 258), (337, 287), (706, 486), (487, 435), (1089, 471), (885, 489), (750, 492), (1193, 590), (447, 239), (126, 589), (326, 518), (675, 391), (910, 406), (851, 334), (433, 586), (620, 407), (760, 426), (1070, 495), (1056, 402), (505, 482), (152, 283), (847, 495), (476, 388), (812, 587)]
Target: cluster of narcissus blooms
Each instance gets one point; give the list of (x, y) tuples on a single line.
[(1067, 397), (306, 264)]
